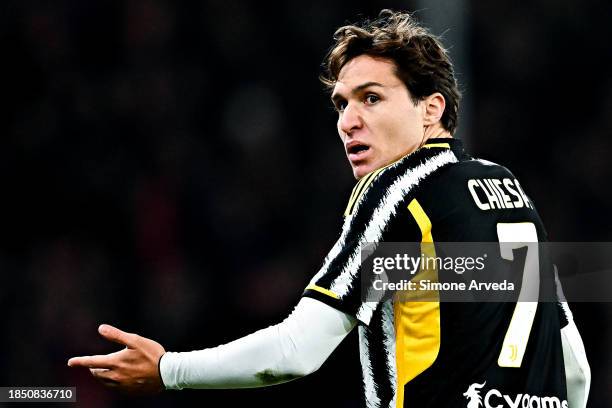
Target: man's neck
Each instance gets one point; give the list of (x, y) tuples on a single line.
[(434, 132)]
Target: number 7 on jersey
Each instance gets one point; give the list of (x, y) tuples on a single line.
[(513, 236)]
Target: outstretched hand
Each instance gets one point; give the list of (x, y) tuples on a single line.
[(133, 369)]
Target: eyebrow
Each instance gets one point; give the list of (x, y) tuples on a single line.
[(336, 96)]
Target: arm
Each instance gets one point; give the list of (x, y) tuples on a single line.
[(577, 370), (294, 348)]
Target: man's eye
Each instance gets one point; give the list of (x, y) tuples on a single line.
[(371, 99), (340, 106)]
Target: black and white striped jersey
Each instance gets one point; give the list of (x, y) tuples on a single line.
[(437, 354)]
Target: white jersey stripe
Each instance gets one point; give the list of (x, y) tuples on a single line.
[(381, 216), (389, 342), (372, 399)]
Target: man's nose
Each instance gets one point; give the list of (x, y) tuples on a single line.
[(350, 119)]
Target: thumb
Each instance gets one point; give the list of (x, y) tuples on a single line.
[(118, 336)]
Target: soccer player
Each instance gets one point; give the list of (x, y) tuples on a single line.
[(393, 86)]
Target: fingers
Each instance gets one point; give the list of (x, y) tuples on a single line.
[(106, 361), (118, 336)]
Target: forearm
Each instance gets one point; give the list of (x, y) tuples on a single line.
[(252, 361), (292, 349)]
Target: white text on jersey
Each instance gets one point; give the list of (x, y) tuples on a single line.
[(492, 193)]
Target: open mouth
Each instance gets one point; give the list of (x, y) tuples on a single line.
[(358, 148)]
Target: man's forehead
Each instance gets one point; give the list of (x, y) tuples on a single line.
[(366, 69)]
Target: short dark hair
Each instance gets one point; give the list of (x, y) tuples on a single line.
[(422, 63)]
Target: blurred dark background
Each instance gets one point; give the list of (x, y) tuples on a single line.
[(174, 169)]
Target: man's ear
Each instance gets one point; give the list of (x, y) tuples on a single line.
[(433, 105)]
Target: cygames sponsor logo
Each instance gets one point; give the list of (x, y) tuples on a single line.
[(496, 399)]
